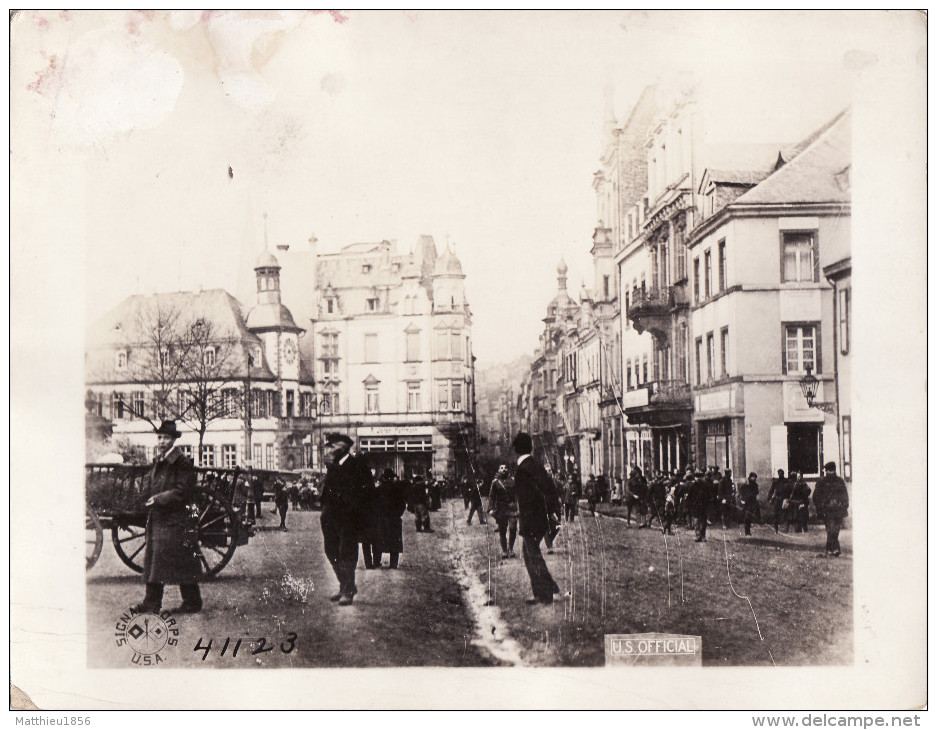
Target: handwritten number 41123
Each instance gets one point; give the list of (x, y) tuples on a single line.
[(257, 646)]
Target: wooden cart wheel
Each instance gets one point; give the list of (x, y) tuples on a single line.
[(129, 542), (217, 531), (94, 537)]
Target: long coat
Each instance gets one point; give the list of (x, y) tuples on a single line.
[(172, 550), (536, 493), (347, 495), (830, 497), (391, 504)]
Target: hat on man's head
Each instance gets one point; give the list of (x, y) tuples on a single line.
[(337, 438), (830, 466), (522, 443), (168, 428)]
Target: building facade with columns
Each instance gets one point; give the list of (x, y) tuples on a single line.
[(392, 343)]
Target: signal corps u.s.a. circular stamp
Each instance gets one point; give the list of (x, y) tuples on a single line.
[(148, 635)]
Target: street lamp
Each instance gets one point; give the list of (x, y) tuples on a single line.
[(808, 385)]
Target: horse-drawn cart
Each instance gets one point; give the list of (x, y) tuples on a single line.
[(115, 496)]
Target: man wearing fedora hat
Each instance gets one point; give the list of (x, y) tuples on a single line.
[(832, 501), (172, 552), (348, 483)]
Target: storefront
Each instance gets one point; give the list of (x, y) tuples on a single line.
[(407, 450)]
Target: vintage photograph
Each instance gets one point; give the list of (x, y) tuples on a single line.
[(451, 346)]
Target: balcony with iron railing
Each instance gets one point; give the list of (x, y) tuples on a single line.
[(651, 309)]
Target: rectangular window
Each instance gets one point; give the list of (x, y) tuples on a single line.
[(844, 321), (456, 395), (798, 256), (121, 361), (644, 365), (370, 348), (330, 345), (699, 358), (442, 345), (804, 448), (413, 397), (722, 265), (605, 287), (468, 352), (372, 304), (710, 356), (800, 348), (371, 400), (187, 450), (258, 452), (442, 395), (708, 274), (628, 374), (229, 456), (456, 339), (366, 269), (724, 350), (290, 403), (138, 401), (413, 346), (847, 447), (696, 292), (627, 305), (208, 455), (330, 306), (209, 357), (271, 457)]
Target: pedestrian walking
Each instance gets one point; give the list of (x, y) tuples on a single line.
[(799, 513), (725, 498), (347, 481), (778, 494), (748, 493), (572, 493), (832, 501), (475, 503), (590, 491), (172, 552), (636, 495), (656, 499), (418, 503), (502, 505), (702, 495), (281, 499), (535, 491)]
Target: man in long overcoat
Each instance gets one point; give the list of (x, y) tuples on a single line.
[(172, 551), (502, 505), (832, 501), (536, 494), (347, 484), (391, 504)]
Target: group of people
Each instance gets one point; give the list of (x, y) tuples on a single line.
[(357, 509)]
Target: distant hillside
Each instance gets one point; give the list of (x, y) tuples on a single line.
[(490, 375)]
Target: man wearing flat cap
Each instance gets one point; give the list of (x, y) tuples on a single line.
[(348, 482), (832, 501), (172, 552)]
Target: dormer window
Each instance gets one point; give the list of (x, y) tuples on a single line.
[(209, 356), (330, 305), (366, 269), (121, 360), (372, 304)]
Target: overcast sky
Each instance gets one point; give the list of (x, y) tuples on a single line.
[(480, 127)]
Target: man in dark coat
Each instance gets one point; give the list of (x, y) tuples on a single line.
[(799, 512), (778, 494), (725, 497), (636, 495), (418, 503), (281, 498), (475, 502), (832, 501), (347, 483), (571, 496), (172, 550), (391, 504), (748, 494), (535, 491), (701, 497)]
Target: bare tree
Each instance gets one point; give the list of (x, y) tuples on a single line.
[(181, 366)]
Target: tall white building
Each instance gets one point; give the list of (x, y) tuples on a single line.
[(393, 355)]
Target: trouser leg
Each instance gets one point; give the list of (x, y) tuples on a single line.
[(512, 535), (153, 597), (541, 582), (503, 535), (191, 595), (394, 559)]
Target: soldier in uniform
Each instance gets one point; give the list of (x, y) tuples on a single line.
[(636, 495), (799, 513), (725, 497), (418, 503), (347, 483), (281, 498), (832, 501), (502, 505), (172, 551), (779, 492)]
